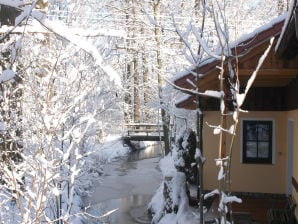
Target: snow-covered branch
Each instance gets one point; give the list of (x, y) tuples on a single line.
[(218, 129), (204, 45), (241, 97), (62, 31), (207, 93)]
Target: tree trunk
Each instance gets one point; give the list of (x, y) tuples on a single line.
[(199, 113), (135, 67), (200, 164), (145, 74), (136, 93), (127, 95), (146, 115), (164, 116)]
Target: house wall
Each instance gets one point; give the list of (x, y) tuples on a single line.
[(294, 116), (248, 177)]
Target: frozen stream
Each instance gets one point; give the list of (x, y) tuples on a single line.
[(126, 188)]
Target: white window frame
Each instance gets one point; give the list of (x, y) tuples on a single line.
[(273, 140)]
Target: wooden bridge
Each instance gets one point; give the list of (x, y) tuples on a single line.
[(143, 132)]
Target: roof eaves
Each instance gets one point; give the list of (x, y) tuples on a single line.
[(286, 25), (243, 44)]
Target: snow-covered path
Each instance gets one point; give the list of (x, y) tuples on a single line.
[(126, 187)]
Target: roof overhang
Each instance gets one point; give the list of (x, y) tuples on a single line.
[(287, 46), (247, 49)]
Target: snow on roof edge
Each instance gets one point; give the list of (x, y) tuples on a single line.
[(183, 73), (242, 39), (284, 28), (258, 30), (183, 98)]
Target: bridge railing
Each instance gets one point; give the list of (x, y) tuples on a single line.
[(146, 128)]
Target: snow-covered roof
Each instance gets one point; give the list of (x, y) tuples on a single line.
[(260, 29), (289, 19), (183, 98), (241, 44)]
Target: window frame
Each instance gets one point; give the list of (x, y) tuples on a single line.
[(257, 160)]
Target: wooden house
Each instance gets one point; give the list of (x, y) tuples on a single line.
[(265, 153)]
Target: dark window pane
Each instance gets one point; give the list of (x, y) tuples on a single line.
[(251, 149), (263, 150), (263, 132), (251, 132)]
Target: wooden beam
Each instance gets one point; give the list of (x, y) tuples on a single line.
[(267, 83), (271, 72)]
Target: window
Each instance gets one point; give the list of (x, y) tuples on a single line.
[(257, 141)]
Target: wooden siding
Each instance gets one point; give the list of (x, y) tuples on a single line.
[(8, 15), (275, 87), (291, 94), (282, 98), (265, 99)]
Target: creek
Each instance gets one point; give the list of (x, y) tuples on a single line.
[(125, 189)]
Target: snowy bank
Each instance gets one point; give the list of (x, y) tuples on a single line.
[(111, 148)]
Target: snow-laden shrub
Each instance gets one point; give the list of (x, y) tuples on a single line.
[(185, 156), (174, 188)]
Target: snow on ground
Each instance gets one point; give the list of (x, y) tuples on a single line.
[(111, 148)]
